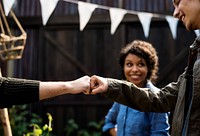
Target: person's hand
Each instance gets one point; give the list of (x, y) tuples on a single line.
[(98, 84), (113, 131), (81, 85)]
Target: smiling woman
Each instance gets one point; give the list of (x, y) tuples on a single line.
[(146, 53), (139, 64), (135, 70)]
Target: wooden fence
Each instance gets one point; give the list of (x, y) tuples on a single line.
[(59, 51)]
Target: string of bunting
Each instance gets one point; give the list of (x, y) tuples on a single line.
[(86, 9)]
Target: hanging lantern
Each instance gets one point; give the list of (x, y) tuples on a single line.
[(11, 47)]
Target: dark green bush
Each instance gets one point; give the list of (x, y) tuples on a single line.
[(93, 129)]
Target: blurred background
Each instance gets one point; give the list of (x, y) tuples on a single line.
[(59, 51)]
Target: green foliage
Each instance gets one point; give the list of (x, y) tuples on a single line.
[(93, 129), (71, 127), (25, 123), (21, 118), (44, 131)]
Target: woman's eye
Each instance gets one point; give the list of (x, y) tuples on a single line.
[(141, 65), (129, 64)]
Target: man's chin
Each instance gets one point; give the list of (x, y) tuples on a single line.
[(190, 27)]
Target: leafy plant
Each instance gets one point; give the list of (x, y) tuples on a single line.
[(71, 127), (45, 131), (25, 123), (93, 129), (21, 118)]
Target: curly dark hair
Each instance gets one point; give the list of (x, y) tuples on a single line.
[(144, 50)]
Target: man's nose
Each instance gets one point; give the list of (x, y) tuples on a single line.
[(176, 13)]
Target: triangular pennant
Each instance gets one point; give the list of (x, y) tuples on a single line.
[(173, 23), (116, 16), (145, 19), (197, 32), (7, 4), (47, 7), (85, 12)]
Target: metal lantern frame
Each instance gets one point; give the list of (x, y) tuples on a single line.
[(11, 47)]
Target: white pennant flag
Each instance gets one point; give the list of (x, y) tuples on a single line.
[(197, 32), (7, 4), (173, 23), (145, 19), (47, 7), (85, 12), (116, 16)]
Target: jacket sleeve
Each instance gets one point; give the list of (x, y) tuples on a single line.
[(143, 99), (15, 91), (111, 117)]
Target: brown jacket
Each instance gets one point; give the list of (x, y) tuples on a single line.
[(170, 98)]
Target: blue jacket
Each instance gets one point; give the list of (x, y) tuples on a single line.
[(131, 122)]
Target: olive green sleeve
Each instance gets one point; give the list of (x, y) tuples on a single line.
[(142, 99)]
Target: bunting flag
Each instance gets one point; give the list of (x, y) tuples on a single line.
[(116, 16), (197, 32), (7, 4), (48, 7), (85, 12), (145, 19), (173, 23), (86, 9)]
